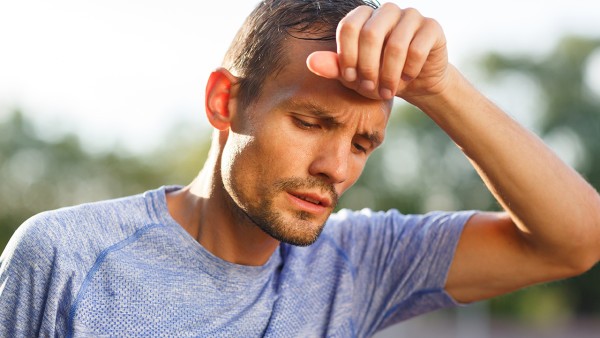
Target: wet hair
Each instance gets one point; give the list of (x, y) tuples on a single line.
[(257, 50)]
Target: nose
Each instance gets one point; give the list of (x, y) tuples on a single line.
[(332, 162)]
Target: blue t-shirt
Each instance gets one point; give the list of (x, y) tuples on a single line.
[(125, 268)]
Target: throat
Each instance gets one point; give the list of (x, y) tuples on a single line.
[(229, 233)]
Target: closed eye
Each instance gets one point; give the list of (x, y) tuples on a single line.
[(305, 125), (360, 148)]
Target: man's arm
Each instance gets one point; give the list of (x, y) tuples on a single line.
[(551, 225), (551, 228)]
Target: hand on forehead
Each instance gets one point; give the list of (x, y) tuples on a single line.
[(385, 52)]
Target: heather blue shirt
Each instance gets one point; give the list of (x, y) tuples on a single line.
[(125, 268)]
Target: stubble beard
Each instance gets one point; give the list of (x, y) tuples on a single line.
[(297, 230)]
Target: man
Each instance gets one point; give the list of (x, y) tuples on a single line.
[(250, 247)]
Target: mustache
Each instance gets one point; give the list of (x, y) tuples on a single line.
[(295, 183)]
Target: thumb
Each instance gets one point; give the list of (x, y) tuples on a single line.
[(324, 64)]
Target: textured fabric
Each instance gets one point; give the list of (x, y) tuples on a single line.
[(125, 268)]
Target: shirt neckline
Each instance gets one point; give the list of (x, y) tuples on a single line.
[(199, 255)]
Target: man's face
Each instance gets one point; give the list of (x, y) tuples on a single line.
[(303, 142)]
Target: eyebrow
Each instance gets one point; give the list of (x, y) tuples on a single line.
[(326, 115), (374, 137)]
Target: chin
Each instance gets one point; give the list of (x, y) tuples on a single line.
[(295, 232)]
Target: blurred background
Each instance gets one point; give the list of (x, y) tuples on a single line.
[(101, 99)]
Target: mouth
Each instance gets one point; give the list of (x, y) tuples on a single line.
[(313, 198), (310, 201)]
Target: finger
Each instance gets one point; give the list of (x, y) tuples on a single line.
[(425, 40), (324, 63), (371, 42), (347, 37), (396, 50)]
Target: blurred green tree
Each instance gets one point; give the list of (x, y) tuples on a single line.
[(40, 175)]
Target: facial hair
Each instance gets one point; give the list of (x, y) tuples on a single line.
[(295, 231)]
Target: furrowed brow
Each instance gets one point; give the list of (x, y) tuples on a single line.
[(313, 109), (374, 138)]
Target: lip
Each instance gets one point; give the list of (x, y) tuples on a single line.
[(305, 201)]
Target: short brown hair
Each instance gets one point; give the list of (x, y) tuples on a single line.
[(257, 49)]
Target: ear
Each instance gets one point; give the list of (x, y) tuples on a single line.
[(218, 96)]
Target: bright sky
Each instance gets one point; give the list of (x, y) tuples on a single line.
[(123, 72)]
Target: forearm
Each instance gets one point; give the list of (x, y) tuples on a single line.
[(555, 209)]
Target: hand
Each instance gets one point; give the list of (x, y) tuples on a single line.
[(385, 52)]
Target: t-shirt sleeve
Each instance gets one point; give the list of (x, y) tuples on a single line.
[(401, 262), (28, 265), (47, 260)]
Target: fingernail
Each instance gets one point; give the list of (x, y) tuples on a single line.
[(350, 74), (406, 78), (367, 85), (385, 93)]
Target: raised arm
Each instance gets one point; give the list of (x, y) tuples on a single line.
[(551, 225)]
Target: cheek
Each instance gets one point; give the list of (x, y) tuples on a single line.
[(247, 161), (283, 151), (237, 162)]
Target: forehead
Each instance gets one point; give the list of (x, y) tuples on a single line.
[(294, 82)]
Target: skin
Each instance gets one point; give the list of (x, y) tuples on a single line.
[(550, 228), (297, 120), (248, 197)]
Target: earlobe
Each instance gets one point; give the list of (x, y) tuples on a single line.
[(218, 96)]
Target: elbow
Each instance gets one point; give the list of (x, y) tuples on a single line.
[(574, 247), (581, 264), (585, 249), (568, 262), (573, 261), (583, 257)]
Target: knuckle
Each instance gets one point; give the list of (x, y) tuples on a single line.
[(432, 25), (417, 54), (433, 22), (394, 49), (368, 35), (412, 12), (389, 6), (348, 28), (411, 71), (365, 8)]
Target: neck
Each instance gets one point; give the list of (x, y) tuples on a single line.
[(207, 212)]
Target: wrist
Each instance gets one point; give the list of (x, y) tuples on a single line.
[(448, 98), (440, 91)]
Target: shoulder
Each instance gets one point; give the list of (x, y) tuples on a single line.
[(81, 230), (354, 229), (49, 257), (367, 219), (373, 217)]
